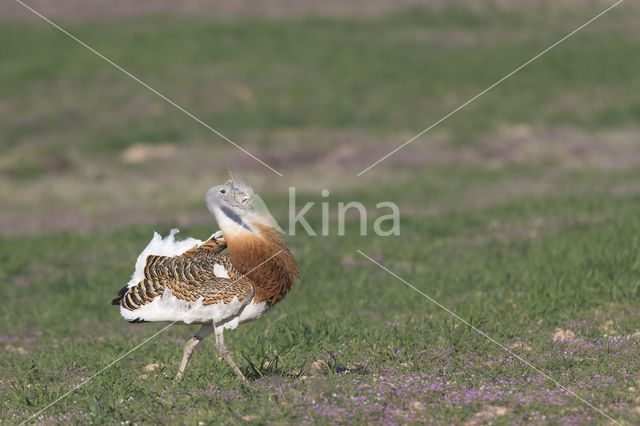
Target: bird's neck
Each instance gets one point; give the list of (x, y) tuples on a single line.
[(264, 258)]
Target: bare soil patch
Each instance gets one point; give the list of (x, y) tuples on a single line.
[(147, 184), (511, 145)]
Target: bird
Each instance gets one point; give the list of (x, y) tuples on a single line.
[(193, 282)]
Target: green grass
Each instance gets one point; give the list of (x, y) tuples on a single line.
[(517, 270), (394, 72), (520, 214)]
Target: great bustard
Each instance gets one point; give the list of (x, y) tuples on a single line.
[(191, 282)]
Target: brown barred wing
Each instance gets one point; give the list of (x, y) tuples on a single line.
[(209, 248), (189, 279)]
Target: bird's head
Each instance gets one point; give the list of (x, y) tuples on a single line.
[(253, 239), (238, 209)]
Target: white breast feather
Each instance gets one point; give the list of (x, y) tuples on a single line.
[(169, 308), (251, 312)]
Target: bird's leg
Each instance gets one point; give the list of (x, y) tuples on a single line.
[(224, 352), (204, 331)]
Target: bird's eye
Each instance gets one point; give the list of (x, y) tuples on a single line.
[(222, 191)]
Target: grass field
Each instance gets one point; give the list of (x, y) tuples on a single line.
[(521, 213)]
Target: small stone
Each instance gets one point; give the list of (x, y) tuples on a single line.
[(143, 153), (19, 350), (519, 345), (607, 327), (318, 365), (417, 406), (487, 414), (562, 335)]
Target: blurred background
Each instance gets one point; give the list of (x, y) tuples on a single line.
[(519, 212), (317, 90)]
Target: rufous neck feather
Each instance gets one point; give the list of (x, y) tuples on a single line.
[(264, 258)]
